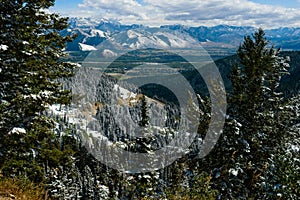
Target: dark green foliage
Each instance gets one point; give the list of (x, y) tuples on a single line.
[(242, 162), (144, 112), (30, 70), (255, 108), (185, 182)]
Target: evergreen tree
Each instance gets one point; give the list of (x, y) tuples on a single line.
[(255, 126), (30, 71), (144, 112)]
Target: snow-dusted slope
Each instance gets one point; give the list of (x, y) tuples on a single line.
[(154, 38), (95, 32), (85, 47)]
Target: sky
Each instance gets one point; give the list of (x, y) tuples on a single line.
[(257, 13)]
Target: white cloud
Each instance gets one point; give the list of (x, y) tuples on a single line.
[(192, 12)]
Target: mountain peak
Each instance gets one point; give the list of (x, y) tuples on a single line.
[(93, 31)]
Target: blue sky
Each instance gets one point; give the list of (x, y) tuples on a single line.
[(284, 3), (66, 5), (264, 13)]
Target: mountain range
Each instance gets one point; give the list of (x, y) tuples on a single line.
[(221, 39)]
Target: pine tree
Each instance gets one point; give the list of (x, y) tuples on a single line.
[(144, 112), (30, 71), (256, 100), (255, 126)]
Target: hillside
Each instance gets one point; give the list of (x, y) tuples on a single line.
[(290, 84), (128, 116)]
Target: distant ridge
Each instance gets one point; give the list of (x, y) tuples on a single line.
[(93, 31)]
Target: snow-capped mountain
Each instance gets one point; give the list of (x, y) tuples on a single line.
[(285, 38), (93, 31), (154, 38)]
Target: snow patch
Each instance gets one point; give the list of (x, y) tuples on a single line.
[(16, 130), (124, 93), (234, 172), (108, 53), (85, 47), (295, 148), (3, 47), (95, 32), (147, 177)]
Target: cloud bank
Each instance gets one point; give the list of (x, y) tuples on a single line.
[(192, 12)]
